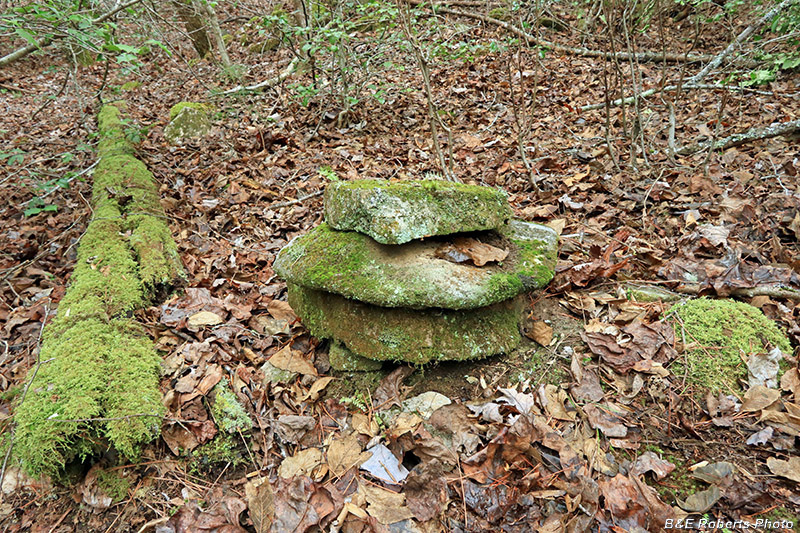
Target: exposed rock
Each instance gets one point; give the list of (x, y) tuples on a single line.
[(411, 275), (190, 121), (399, 334), (342, 358), (398, 212)]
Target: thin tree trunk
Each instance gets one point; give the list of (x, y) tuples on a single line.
[(216, 32), (195, 26)]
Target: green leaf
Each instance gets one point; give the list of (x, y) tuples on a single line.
[(28, 36)]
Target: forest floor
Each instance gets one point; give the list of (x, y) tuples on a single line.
[(577, 459)]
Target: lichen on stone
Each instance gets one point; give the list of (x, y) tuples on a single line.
[(399, 212), (414, 336), (719, 337), (411, 275)]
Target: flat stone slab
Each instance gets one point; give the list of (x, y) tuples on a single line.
[(401, 211), (398, 334), (413, 275)]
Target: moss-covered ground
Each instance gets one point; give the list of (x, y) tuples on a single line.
[(719, 335)]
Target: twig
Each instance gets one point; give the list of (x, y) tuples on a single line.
[(297, 200), (749, 292)]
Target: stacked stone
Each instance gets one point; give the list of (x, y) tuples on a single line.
[(373, 278)]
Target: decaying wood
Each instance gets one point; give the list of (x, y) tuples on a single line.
[(752, 292), (755, 134)]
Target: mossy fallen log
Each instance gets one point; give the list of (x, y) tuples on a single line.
[(97, 384)]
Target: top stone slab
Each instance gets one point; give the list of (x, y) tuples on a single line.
[(401, 211)]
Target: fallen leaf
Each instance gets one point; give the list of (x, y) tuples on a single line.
[(464, 249), (388, 393), (426, 403), (292, 361), (385, 506), (317, 388), (541, 333), (345, 453), (763, 368), (426, 490), (610, 425), (203, 318), (260, 504), (383, 465), (292, 428), (302, 463), (720, 473), (789, 469), (702, 501), (281, 310), (650, 462), (759, 397), (760, 437)]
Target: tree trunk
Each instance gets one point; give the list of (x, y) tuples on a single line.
[(195, 26)]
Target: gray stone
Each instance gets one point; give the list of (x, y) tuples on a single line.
[(399, 334), (190, 122), (399, 212), (411, 275)]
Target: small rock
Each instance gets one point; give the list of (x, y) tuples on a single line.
[(426, 403), (191, 121), (276, 376), (343, 359)]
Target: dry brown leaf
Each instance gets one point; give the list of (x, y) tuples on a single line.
[(292, 361), (789, 469), (203, 318), (541, 333), (260, 504), (385, 506), (212, 376), (281, 310), (302, 463), (790, 381), (610, 425), (464, 249), (364, 424), (759, 397), (317, 388), (345, 453)]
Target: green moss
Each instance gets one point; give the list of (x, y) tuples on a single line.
[(175, 110), (355, 266), (91, 370), (720, 335), (130, 85), (229, 415), (112, 131), (418, 337), (343, 359), (114, 484), (219, 451), (399, 212)]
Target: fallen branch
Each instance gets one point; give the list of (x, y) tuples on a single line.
[(46, 41), (266, 84), (703, 86), (770, 291), (579, 51), (714, 62), (754, 134)]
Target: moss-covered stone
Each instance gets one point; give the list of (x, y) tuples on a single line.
[(719, 336), (343, 359), (93, 370), (398, 212), (411, 275), (418, 337), (269, 45), (190, 122), (175, 110)]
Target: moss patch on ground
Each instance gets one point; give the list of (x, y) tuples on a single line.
[(175, 110), (229, 414), (719, 336), (97, 385)]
